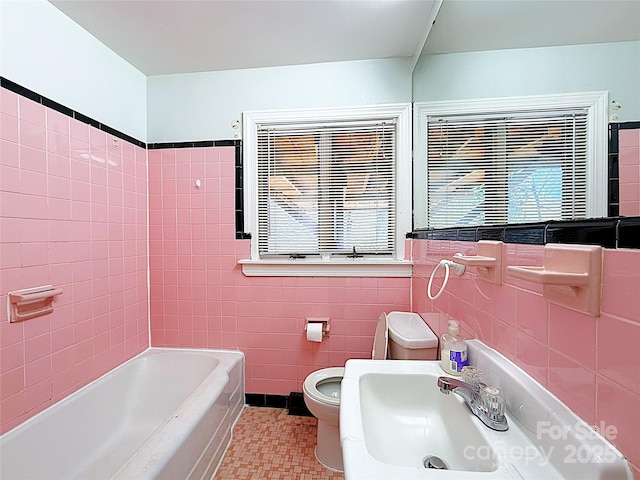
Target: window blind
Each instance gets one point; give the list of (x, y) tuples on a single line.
[(497, 169), (326, 188)]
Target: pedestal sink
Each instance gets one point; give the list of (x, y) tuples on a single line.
[(406, 422), (396, 424)]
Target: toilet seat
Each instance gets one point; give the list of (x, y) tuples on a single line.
[(334, 374), (310, 386)]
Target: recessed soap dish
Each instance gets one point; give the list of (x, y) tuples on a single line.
[(489, 260), (31, 302), (571, 276)]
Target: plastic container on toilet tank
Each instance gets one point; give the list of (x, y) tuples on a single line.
[(410, 338)]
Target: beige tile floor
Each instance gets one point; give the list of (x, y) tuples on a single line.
[(270, 444)]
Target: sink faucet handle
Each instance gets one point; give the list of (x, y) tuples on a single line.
[(493, 402), (473, 376)]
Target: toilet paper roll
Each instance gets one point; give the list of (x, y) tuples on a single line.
[(314, 332)]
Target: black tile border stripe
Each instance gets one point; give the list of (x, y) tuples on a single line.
[(618, 232), (239, 194), (47, 102), (613, 188), (614, 232), (611, 232), (237, 144), (196, 144)]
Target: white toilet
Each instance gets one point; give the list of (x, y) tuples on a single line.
[(404, 335)]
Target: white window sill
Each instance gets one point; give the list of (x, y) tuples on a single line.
[(327, 268)]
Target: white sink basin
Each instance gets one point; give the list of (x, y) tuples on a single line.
[(393, 417), (405, 420)]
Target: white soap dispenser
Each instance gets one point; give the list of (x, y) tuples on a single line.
[(453, 353)]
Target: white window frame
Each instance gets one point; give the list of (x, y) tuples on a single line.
[(367, 266), (596, 104)]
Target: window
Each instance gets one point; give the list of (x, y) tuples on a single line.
[(329, 188), (506, 161)]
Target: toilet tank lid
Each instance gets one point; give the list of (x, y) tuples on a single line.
[(409, 330)]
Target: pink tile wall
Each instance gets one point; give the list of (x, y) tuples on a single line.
[(72, 214), (590, 363), (629, 170), (200, 298)]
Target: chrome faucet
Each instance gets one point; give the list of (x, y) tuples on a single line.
[(485, 402)]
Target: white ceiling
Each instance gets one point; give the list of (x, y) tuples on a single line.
[(477, 25), (180, 36)]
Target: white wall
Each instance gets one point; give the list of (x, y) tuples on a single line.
[(614, 67), (45, 51), (202, 106)]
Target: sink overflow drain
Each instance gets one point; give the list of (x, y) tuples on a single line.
[(434, 462)]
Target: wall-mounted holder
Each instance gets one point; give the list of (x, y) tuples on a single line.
[(488, 260), (31, 302), (448, 265), (571, 276), (323, 320)]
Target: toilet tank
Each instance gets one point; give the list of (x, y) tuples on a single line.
[(410, 338)]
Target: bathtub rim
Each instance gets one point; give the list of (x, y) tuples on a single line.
[(143, 462), (33, 418)]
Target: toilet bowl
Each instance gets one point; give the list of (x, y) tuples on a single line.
[(321, 389)]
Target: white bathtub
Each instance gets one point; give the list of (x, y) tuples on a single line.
[(165, 414)]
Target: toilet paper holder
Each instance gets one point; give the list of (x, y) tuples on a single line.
[(323, 320)]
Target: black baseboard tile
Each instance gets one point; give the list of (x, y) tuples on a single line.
[(297, 406), (255, 399), (294, 402), (276, 401), (266, 400)]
